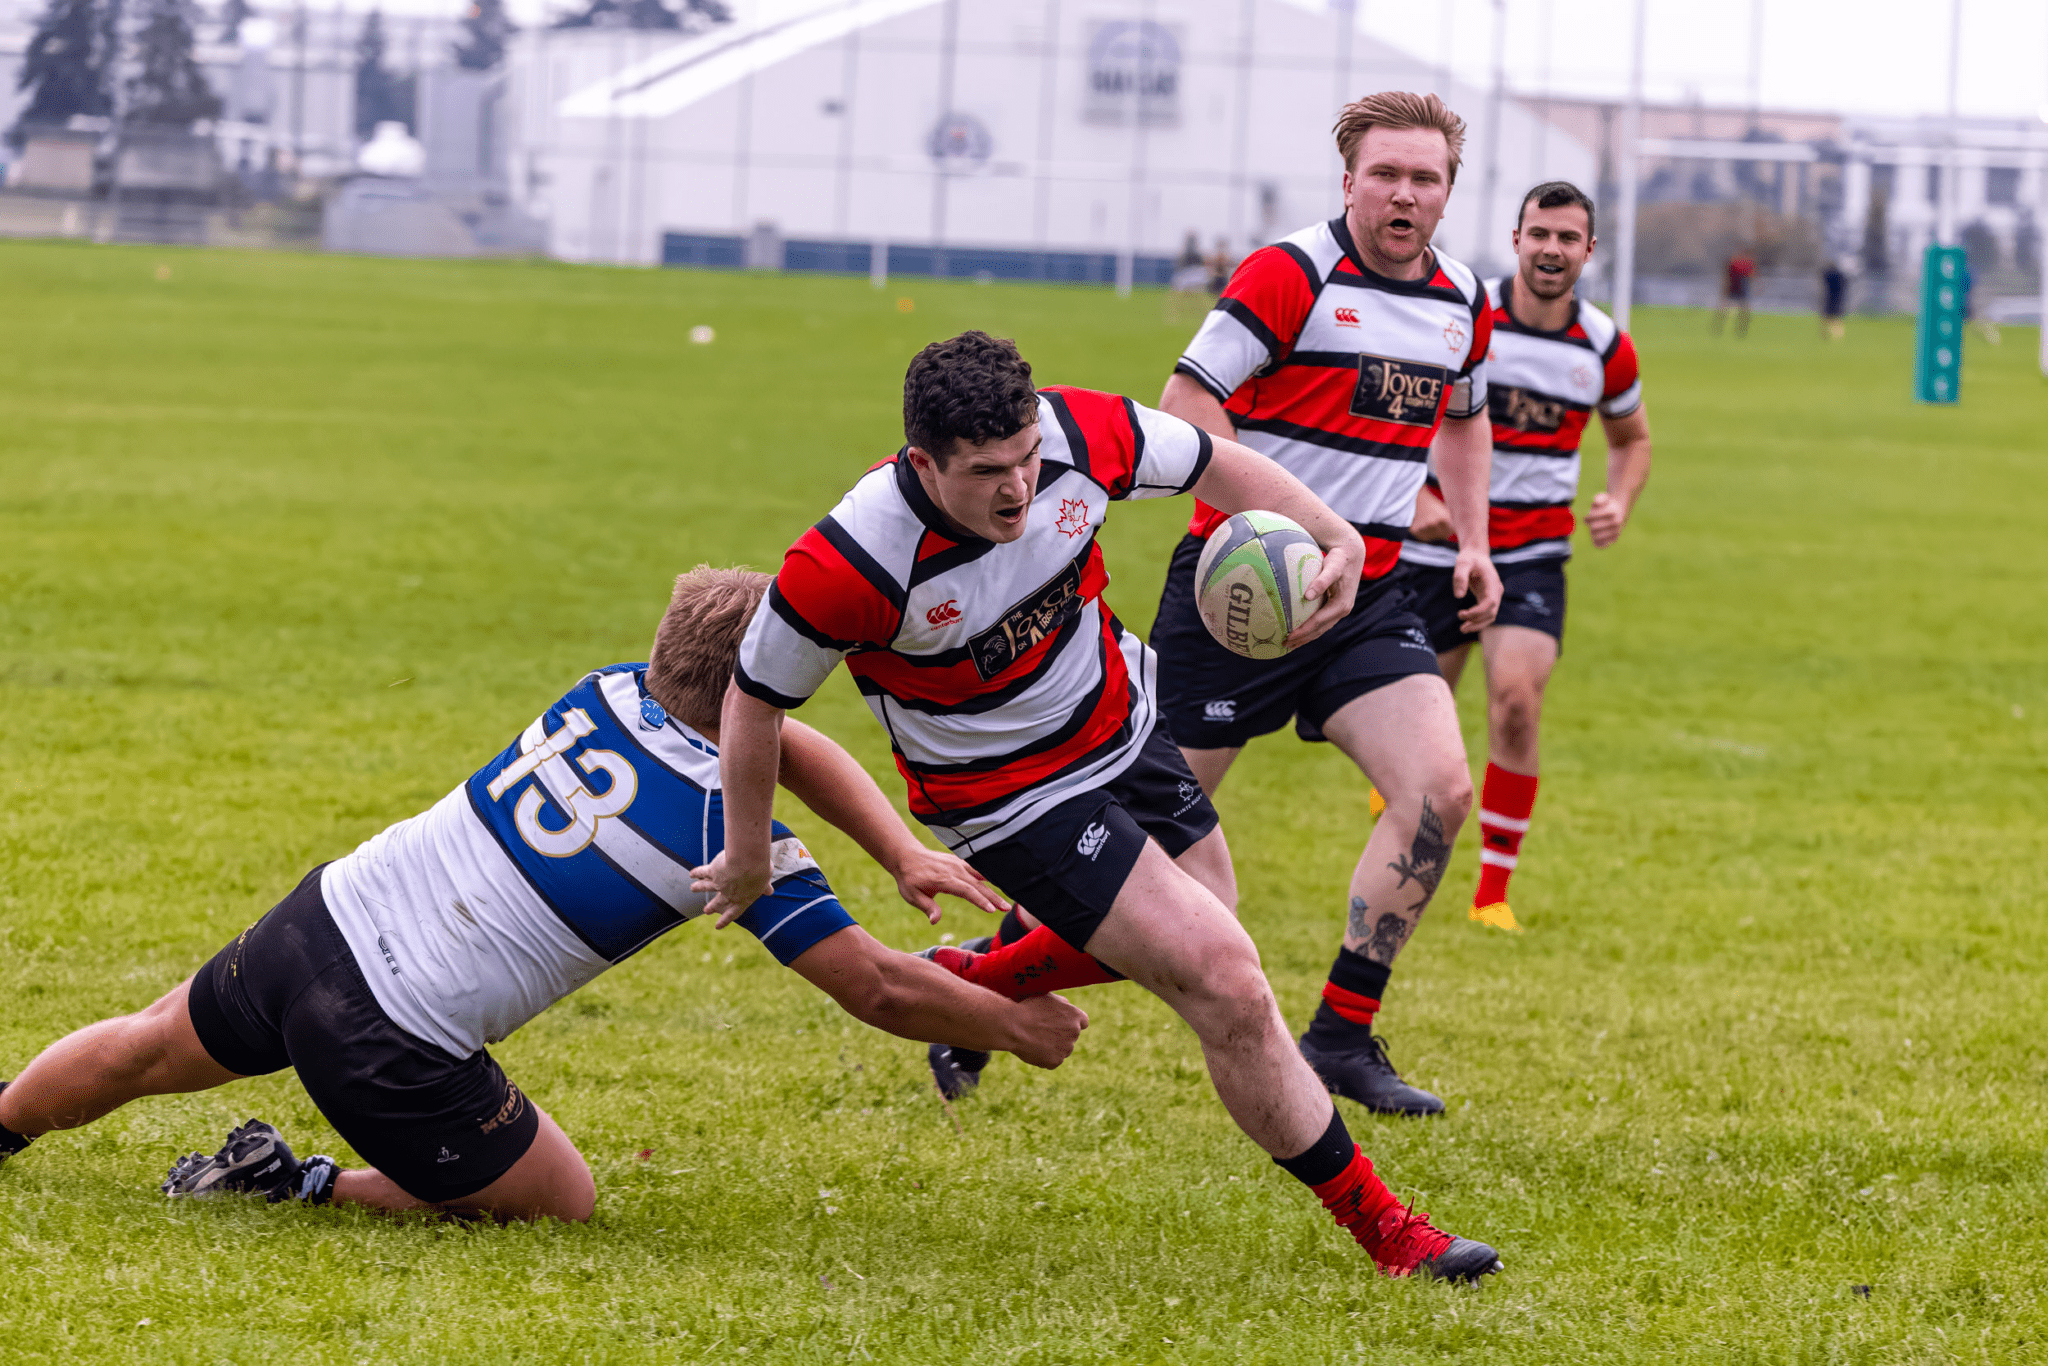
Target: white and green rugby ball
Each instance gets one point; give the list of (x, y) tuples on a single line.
[(1250, 582)]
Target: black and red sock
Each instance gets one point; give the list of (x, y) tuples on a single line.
[(1341, 1175), (1351, 998)]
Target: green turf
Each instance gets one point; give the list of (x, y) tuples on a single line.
[(290, 545)]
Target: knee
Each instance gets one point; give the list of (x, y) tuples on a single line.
[(579, 1199), (1515, 714), (1449, 795)]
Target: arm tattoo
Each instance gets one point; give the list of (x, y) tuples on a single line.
[(1427, 856), (1387, 937), (1359, 925)]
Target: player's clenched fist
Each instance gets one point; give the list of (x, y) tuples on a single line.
[(1047, 1028)]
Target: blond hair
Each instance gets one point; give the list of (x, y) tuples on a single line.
[(699, 639), (1398, 109)]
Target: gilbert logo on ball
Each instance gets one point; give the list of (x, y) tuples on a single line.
[(1250, 582)]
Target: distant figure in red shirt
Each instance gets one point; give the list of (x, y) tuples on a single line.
[(1740, 269)]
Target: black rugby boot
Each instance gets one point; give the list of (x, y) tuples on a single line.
[(1366, 1075), (255, 1160)]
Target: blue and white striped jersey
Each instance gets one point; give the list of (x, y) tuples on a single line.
[(565, 854)]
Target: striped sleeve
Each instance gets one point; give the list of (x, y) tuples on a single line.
[(1130, 450), (1256, 321), (1468, 391), (1622, 392), (828, 600)]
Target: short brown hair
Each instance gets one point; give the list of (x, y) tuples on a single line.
[(1556, 194), (1398, 109), (699, 639)]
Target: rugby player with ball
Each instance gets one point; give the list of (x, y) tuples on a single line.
[(1343, 352), (961, 584), (383, 977)]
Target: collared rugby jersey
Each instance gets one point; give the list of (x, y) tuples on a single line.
[(1004, 682), (1343, 376), (1543, 387), (565, 854)]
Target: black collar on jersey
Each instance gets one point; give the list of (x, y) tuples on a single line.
[(1505, 282), (1341, 230)]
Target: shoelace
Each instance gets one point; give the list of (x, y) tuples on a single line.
[(1410, 1226)]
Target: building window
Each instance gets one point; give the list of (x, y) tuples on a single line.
[(1934, 184), (2002, 185)]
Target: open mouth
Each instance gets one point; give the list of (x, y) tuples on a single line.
[(1399, 225), (1010, 516), (1546, 268)]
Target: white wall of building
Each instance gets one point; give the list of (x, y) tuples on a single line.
[(618, 137)]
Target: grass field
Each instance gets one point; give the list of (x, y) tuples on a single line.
[(289, 545)]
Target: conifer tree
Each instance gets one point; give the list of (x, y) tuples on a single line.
[(485, 30), (381, 94), (168, 87), (63, 67)]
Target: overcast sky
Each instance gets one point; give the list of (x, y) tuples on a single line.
[(1853, 56)]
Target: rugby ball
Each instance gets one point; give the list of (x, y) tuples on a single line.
[(1249, 582)]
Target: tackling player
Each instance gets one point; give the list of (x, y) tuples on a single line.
[(1554, 362), (961, 583), (1341, 352), (384, 975)]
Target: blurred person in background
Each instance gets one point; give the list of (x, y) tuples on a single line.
[(1735, 278), (1219, 263), (1834, 290), (1555, 361), (1190, 279)]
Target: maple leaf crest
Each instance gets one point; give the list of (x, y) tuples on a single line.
[(1073, 516)]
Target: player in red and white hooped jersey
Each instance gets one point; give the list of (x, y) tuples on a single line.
[(961, 585), (1555, 362), (1344, 352)]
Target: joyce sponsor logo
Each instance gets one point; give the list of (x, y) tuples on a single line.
[(1347, 317), (1092, 839), (1225, 710), (1402, 391), (945, 614), (1522, 410), (1029, 622)]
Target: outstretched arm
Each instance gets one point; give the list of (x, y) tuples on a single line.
[(1628, 469), (749, 757), (916, 999), (832, 783), (1239, 479)]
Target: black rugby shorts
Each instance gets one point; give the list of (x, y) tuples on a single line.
[(1532, 595), (289, 993), (1067, 866), (1215, 699)]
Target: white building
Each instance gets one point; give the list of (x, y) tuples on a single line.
[(1027, 126)]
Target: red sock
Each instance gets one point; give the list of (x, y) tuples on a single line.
[(1039, 962), (1504, 806), (1356, 1198)]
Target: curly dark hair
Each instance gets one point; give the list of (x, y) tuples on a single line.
[(972, 387), (1555, 194)]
